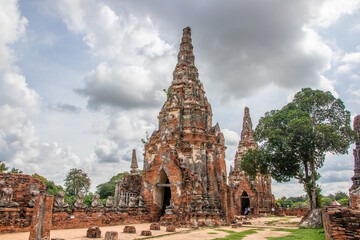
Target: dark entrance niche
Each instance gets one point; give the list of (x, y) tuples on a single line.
[(167, 197), (162, 193), (244, 202)]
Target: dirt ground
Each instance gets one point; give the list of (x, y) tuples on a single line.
[(266, 227)]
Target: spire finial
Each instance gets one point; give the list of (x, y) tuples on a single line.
[(134, 165), (186, 48), (247, 124)]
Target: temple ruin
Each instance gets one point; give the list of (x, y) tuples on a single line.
[(184, 160), (246, 192), (184, 178), (354, 191)]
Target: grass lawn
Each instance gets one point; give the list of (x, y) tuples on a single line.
[(301, 234), (236, 235)]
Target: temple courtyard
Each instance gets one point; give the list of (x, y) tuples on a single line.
[(263, 227)]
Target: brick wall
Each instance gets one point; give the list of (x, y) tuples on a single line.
[(21, 184), (18, 219), (291, 212), (341, 223), (91, 217)]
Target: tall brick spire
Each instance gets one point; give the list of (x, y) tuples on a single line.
[(186, 54), (356, 177), (186, 92), (247, 140), (186, 153)]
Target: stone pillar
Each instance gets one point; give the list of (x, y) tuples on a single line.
[(42, 217)]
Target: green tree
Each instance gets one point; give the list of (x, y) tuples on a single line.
[(327, 201), (15, 170), (343, 201), (108, 188), (295, 139), (51, 187), (3, 167), (341, 195), (77, 181)]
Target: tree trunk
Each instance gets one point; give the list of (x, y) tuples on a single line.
[(306, 185), (313, 187)]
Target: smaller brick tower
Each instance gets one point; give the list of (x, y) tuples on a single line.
[(134, 164), (246, 192), (355, 188), (247, 140)]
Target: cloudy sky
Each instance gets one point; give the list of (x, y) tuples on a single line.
[(81, 80)]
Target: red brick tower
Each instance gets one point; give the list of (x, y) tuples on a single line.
[(184, 160), (246, 192), (355, 188)]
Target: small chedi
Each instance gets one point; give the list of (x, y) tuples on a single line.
[(354, 191), (247, 194), (184, 160)]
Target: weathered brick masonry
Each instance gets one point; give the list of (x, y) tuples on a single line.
[(184, 161), (91, 217), (341, 223), (23, 188), (246, 192)]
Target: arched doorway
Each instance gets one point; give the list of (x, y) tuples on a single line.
[(244, 202), (162, 192)]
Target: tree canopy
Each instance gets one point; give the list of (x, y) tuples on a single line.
[(51, 187), (3, 167), (77, 181), (294, 140), (108, 188)]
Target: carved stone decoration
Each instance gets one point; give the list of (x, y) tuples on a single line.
[(109, 202), (79, 202), (133, 201), (141, 201), (59, 204), (6, 195), (96, 201), (33, 192), (122, 202), (169, 209)]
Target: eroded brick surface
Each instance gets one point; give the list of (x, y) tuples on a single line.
[(187, 152), (245, 192), (341, 223), (93, 232), (129, 229), (146, 233), (354, 191), (18, 219), (111, 235)]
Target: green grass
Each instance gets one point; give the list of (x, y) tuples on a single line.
[(212, 233), (236, 235), (301, 234)]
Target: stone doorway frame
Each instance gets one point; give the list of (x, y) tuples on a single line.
[(244, 198), (162, 181)]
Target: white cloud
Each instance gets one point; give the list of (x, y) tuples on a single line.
[(13, 27), (331, 10), (20, 146), (353, 57)]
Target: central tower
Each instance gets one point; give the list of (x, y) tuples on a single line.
[(184, 162)]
